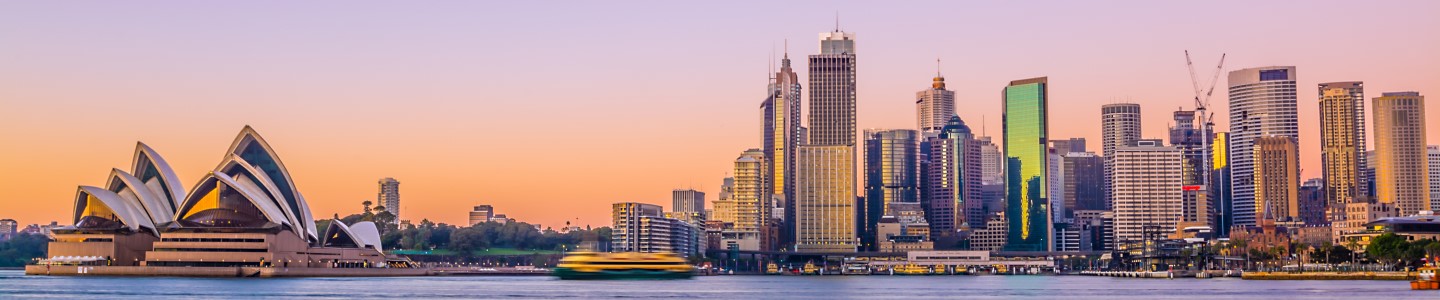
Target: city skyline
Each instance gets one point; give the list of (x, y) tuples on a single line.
[(332, 106)]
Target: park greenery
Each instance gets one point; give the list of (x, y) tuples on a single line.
[(22, 249), (471, 242)]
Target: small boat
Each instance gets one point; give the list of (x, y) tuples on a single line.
[(772, 269), (1425, 279), (625, 265), (810, 269), (913, 269), (961, 270)]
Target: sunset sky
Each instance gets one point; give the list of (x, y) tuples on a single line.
[(551, 111)]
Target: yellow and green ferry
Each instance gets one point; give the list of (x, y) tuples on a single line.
[(625, 265)]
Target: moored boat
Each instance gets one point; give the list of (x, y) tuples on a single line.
[(625, 265), (913, 269), (1425, 279)]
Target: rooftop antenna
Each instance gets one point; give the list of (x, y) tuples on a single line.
[(837, 21), (937, 66)]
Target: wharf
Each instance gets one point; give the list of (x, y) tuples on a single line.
[(1328, 276)]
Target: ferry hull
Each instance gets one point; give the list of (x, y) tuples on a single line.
[(570, 274)]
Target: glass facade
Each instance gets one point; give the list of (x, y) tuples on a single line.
[(1025, 155)]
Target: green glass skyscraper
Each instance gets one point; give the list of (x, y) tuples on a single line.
[(1026, 127)]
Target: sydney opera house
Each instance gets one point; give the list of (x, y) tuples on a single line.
[(244, 218)]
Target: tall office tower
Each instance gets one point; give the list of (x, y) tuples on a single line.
[(1185, 134), (825, 199), (1219, 193), (1026, 105), (781, 116), (1119, 127), (825, 173), (832, 90), (751, 208), (1084, 182), (1277, 178), (890, 177), (390, 196), (953, 183), (934, 106), (687, 200), (1262, 103), (1312, 202), (992, 162), (1433, 152), (1402, 173), (1342, 145), (1147, 190)]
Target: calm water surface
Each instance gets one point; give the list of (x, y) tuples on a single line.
[(15, 285)]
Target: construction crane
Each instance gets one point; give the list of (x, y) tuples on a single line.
[(1202, 102)]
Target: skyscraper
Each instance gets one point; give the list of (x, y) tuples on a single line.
[(1342, 145), (1262, 103), (832, 90), (390, 196), (825, 173), (687, 200), (781, 116), (1148, 181), (1219, 193), (1026, 129), (934, 106), (1402, 173), (825, 199), (1120, 127), (1277, 178), (890, 177), (953, 182)]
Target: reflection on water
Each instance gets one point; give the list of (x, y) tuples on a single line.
[(13, 284)]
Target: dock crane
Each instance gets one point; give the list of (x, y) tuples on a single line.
[(1202, 102)]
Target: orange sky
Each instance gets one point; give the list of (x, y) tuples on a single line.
[(552, 113)]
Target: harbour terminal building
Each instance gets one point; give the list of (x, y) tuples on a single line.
[(244, 218)]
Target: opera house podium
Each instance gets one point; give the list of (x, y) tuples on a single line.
[(244, 218)]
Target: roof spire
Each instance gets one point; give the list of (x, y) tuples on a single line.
[(837, 21), (787, 48)]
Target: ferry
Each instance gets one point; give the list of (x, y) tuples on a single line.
[(772, 269), (625, 265), (810, 269), (1425, 279), (913, 269)]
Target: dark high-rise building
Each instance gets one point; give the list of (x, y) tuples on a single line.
[(1026, 130), (1220, 188), (953, 183), (1312, 202), (1084, 181), (890, 177)]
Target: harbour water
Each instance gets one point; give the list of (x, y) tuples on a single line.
[(15, 285)]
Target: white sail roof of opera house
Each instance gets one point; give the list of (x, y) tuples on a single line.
[(360, 235), (252, 148), (98, 208), (250, 187)]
